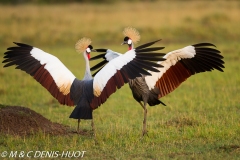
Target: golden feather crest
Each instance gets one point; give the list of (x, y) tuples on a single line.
[(82, 44), (132, 33)]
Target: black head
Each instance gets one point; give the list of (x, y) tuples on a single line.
[(127, 41), (90, 47)]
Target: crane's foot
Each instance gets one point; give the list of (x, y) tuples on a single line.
[(144, 132)]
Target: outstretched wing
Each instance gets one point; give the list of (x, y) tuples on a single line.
[(119, 70), (183, 63), (45, 68), (107, 56)]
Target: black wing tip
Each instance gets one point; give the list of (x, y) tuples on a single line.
[(22, 44), (19, 45), (150, 49), (99, 65), (204, 44), (221, 69), (4, 61), (207, 47), (98, 57), (157, 41), (147, 44), (99, 50)]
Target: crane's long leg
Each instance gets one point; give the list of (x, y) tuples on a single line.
[(93, 128), (94, 134), (78, 125), (145, 120), (141, 104), (144, 131)]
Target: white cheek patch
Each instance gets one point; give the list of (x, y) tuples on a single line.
[(88, 50), (129, 41)]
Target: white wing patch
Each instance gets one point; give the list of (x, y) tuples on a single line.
[(171, 59), (102, 77), (110, 55), (59, 72)]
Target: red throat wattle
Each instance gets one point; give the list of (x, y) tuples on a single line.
[(88, 55), (130, 47)]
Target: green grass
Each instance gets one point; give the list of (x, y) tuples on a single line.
[(201, 119)]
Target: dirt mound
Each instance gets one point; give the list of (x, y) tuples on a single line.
[(17, 120)]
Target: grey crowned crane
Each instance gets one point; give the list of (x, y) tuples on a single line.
[(87, 94), (179, 65)]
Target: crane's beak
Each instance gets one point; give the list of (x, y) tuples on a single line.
[(94, 50), (124, 42)]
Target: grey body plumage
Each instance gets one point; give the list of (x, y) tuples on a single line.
[(141, 92), (82, 94)]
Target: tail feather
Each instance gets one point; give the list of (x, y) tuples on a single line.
[(153, 97), (155, 101), (81, 113)]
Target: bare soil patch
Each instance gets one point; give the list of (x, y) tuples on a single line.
[(16, 120)]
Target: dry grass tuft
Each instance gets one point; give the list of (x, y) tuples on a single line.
[(182, 121)]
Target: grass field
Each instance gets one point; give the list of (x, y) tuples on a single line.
[(201, 119)]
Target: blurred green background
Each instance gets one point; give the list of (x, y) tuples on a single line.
[(48, 23)]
